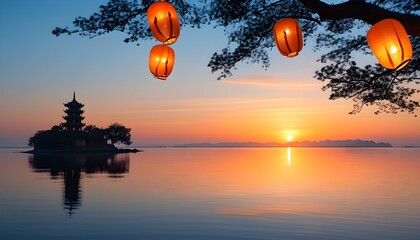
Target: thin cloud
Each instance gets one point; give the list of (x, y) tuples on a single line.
[(211, 104)]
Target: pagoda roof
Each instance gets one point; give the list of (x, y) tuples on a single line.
[(74, 103), (74, 110), (74, 118)]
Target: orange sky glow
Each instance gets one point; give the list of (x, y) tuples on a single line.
[(112, 79), (163, 122)]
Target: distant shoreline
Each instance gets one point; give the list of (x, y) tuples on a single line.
[(285, 146), (275, 147), (323, 143), (252, 147)]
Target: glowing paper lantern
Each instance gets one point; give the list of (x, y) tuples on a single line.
[(390, 44), (288, 36), (163, 22), (161, 61)]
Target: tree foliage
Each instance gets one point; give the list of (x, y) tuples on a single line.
[(115, 133), (118, 133), (35, 138), (340, 28), (91, 129)]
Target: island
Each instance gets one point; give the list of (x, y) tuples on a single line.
[(73, 135)]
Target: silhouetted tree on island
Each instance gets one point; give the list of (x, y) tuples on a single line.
[(340, 28), (73, 135), (35, 138), (117, 133), (90, 129)]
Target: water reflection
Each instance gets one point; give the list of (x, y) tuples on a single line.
[(289, 156), (214, 193), (71, 166)]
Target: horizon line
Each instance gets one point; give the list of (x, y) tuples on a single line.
[(284, 146)]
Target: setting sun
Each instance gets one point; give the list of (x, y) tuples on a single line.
[(289, 138)]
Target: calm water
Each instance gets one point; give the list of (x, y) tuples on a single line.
[(221, 193)]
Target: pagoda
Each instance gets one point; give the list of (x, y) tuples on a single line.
[(70, 136), (73, 118)]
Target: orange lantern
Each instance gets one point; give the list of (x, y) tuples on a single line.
[(390, 44), (288, 36), (163, 22), (161, 61)]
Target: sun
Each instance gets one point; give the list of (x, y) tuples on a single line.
[(289, 138)]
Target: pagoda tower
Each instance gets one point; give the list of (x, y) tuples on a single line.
[(73, 118)]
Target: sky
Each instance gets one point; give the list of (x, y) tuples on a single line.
[(39, 72)]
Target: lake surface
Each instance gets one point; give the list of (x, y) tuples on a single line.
[(212, 193)]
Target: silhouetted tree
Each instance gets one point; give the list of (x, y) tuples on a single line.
[(90, 128), (339, 27), (35, 138), (117, 133), (56, 128), (56, 138)]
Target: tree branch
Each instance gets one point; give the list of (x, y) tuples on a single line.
[(371, 13), (390, 85)]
